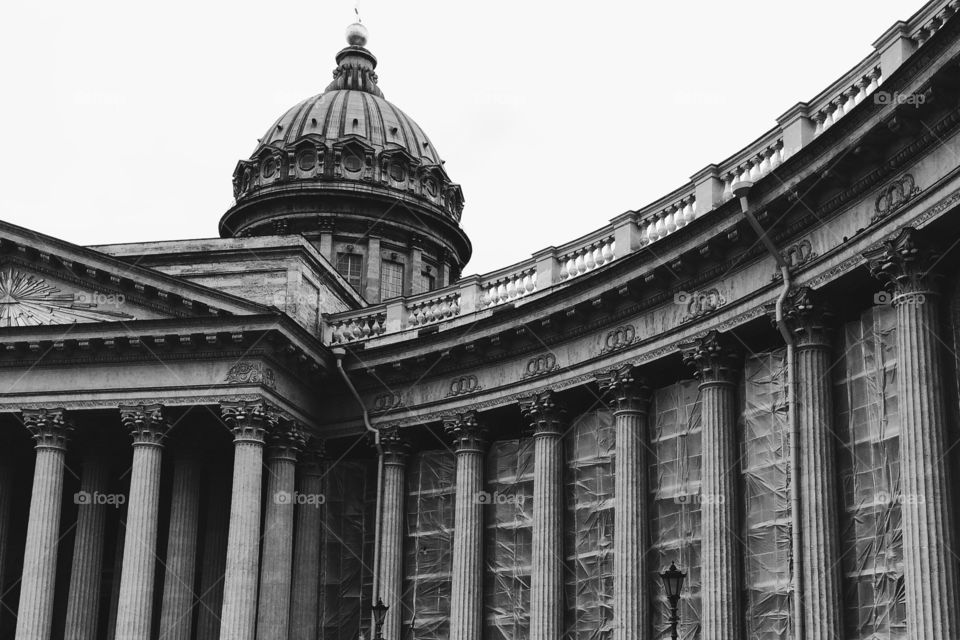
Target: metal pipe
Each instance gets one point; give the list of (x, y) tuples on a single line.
[(741, 190), (339, 354)]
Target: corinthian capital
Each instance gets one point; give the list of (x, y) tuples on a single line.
[(248, 420), (624, 390), (285, 441), (544, 414), (904, 264), (394, 445), (712, 358), (808, 318), (145, 422), (466, 432), (49, 427)]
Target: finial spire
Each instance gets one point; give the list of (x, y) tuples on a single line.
[(357, 35)]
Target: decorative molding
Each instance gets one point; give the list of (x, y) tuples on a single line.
[(701, 303), (540, 366), (619, 338), (799, 253), (463, 385), (893, 196), (251, 372), (387, 402)]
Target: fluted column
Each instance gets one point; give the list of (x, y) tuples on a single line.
[(716, 364), (304, 600), (546, 562), (284, 444), (249, 422), (629, 398), (466, 589), (83, 601), (214, 556), (811, 324), (176, 610), (395, 451), (50, 431), (905, 265), (6, 505), (135, 611)]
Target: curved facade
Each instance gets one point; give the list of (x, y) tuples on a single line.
[(753, 377)]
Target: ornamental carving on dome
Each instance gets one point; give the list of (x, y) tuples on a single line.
[(28, 300)]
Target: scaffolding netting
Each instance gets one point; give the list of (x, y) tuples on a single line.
[(675, 509), (589, 487), (347, 564), (764, 465), (868, 429), (509, 481), (428, 548)]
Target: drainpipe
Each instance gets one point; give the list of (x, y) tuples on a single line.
[(741, 191), (339, 354)]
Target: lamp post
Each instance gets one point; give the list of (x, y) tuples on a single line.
[(379, 614), (672, 584)]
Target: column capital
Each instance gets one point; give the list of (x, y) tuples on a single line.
[(625, 391), (807, 316), (713, 359), (466, 432), (544, 413), (313, 457), (285, 441), (50, 428), (146, 423), (904, 264), (394, 445), (248, 420)]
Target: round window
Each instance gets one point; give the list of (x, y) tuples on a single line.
[(269, 167), (307, 159), (351, 161), (431, 186), (396, 171)]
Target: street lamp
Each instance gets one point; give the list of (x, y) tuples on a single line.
[(672, 585), (379, 614)]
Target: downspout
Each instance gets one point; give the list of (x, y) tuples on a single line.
[(741, 191), (339, 353)]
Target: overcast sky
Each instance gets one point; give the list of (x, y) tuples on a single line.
[(123, 121)]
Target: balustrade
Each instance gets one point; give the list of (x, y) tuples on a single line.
[(508, 288), (425, 312), (586, 259)]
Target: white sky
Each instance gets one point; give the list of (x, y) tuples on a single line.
[(123, 121)]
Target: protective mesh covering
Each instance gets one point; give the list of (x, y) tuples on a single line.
[(765, 438), (589, 449), (347, 565), (868, 425), (675, 508), (508, 540), (428, 548)]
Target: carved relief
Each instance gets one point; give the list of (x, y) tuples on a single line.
[(27, 300), (619, 338), (540, 365), (387, 402), (463, 385), (246, 372), (703, 302), (895, 195), (799, 253)]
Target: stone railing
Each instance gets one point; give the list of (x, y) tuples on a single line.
[(633, 230)]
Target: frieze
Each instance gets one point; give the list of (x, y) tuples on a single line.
[(387, 402), (463, 385), (619, 338), (540, 366), (700, 303), (247, 372), (799, 253), (894, 195)]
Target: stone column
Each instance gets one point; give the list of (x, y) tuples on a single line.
[(466, 589), (6, 505), (249, 422), (546, 563), (214, 556), (50, 431), (395, 451), (83, 602), (811, 324), (905, 265), (716, 365), (629, 398), (284, 443), (135, 611), (176, 610), (305, 598)]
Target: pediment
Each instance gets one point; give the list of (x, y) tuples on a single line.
[(29, 299)]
